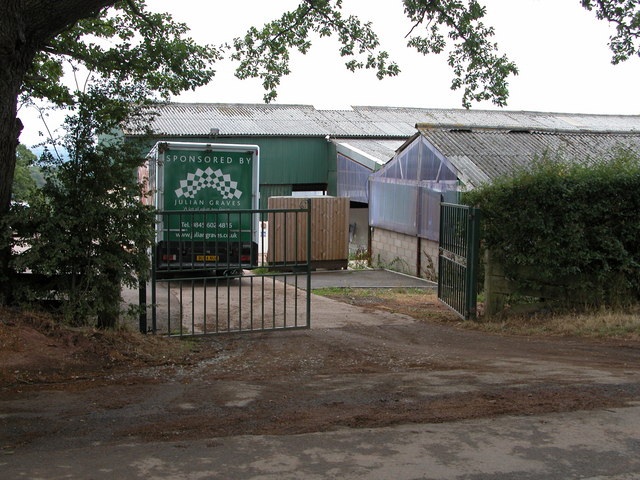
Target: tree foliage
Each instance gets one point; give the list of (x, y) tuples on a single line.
[(564, 222), (23, 181), (477, 66), (265, 52), (124, 46), (625, 16), (454, 28), (478, 69), (131, 55), (86, 228)]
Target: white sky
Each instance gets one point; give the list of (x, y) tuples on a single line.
[(560, 49)]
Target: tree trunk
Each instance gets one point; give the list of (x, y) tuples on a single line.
[(15, 58), (25, 27), (110, 300)]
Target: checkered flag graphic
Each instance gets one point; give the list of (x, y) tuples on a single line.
[(208, 179)]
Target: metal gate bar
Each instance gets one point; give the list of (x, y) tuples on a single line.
[(200, 288), (458, 258)]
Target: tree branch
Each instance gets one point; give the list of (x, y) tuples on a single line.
[(461, 34), (87, 59), (45, 22), (291, 27), (611, 16), (138, 13)]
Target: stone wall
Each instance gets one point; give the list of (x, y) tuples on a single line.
[(506, 295), (399, 252), (429, 259)]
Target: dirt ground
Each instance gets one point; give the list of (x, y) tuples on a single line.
[(359, 366)]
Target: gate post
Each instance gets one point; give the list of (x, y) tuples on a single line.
[(309, 250), (142, 305), (154, 303), (473, 253)]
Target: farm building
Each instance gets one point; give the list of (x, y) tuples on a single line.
[(441, 160), (392, 163), (303, 151)]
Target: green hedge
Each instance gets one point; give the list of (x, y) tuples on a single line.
[(568, 223)]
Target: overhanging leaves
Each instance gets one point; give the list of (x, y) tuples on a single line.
[(478, 67), (625, 16), (123, 45), (265, 53)]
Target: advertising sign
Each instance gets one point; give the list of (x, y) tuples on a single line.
[(198, 180)]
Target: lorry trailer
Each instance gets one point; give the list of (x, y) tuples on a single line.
[(206, 195)]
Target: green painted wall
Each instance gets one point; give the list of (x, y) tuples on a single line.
[(285, 160), (267, 191), (332, 170)]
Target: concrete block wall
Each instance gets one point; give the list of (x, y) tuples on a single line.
[(399, 252)]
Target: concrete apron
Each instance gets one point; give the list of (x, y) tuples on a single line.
[(325, 313)]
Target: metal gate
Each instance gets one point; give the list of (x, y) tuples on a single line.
[(213, 275), (458, 258)]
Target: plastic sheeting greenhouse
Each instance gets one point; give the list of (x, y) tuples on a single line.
[(405, 195), (352, 179)]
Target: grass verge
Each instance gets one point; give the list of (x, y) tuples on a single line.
[(424, 305)]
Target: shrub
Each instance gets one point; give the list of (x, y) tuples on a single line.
[(86, 229), (568, 223)]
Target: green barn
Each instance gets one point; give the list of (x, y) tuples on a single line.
[(299, 145)]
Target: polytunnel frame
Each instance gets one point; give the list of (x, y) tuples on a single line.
[(408, 205), (350, 174)]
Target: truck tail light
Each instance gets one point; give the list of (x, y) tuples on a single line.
[(169, 257)]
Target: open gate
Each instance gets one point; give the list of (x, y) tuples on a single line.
[(208, 279), (458, 258)]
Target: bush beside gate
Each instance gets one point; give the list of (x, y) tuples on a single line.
[(566, 234)]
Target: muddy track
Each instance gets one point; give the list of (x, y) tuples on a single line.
[(356, 376)]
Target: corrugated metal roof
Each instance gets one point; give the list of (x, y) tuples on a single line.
[(198, 119), (480, 155), (378, 151), (511, 120)]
